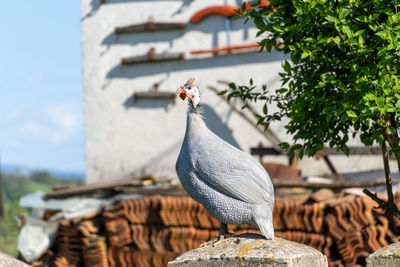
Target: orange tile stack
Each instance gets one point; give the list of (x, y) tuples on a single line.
[(68, 246), (94, 250), (159, 228), (153, 230), (357, 229)]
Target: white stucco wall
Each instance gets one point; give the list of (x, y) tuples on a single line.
[(126, 138)]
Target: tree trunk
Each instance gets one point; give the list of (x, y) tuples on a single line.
[(393, 139), (389, 205), (388, 176)]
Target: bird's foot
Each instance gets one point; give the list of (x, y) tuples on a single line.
[(216, 241)]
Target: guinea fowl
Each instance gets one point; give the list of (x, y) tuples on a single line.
[(229, 183)]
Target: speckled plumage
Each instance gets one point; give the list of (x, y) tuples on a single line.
[(229, 183)]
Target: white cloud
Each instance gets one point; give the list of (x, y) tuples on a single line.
[(33, 128), (13, 115), (57, 123)]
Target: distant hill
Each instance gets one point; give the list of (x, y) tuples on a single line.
[(22, 169), (16, 184)]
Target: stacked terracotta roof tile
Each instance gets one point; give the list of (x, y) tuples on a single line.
[(153, 230)]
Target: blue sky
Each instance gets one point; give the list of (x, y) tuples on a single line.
[(41, 120)]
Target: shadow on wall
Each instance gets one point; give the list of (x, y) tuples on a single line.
[(214, 123), (142, 38), (148, 103), (212, 24), (185, 4), (148, 69), (211, 118), (96, 4), (217, 126)]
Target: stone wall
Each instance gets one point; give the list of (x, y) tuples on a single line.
[(251, 251)]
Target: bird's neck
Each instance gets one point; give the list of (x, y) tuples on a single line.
[(195, 124), (194, 109)]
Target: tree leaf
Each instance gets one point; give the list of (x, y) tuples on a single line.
[(286, 66), (284, 145), (222, 92), (265, 109), (347, 31), (304, 55), (351, 114)]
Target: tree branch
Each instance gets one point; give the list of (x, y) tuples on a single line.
[(383, 204)]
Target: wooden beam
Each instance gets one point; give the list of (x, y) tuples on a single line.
[(266, 133), (103, 186), (169, 190), (332, 168), (150, 26), (154, 95), (152, 57), (260, 151), (336, 185), (362, 150), (273, 138)]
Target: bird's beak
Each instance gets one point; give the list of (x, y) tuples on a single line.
[(183, 94)]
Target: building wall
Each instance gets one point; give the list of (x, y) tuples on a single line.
[(126, 137)]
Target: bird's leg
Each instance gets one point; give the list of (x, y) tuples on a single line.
[(223, 233), (223, 228)]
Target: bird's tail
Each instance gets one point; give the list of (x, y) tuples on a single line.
[(263, 219)]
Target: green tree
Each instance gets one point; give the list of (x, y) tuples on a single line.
[(342, 78)]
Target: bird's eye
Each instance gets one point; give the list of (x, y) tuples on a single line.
[(189, 87)]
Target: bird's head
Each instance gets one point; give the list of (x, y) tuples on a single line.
[(190, 91)]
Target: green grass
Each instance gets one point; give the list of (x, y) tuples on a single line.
[(9, 229), (38, 186), (13, 187)]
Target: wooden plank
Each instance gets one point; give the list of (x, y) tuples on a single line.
[(154, 95), (105, 186), (152, 57), (167, 190), (327, 151), (355, 151), (267, 133), (150, 27), (337, 185), (262, 151), (332, 168)]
